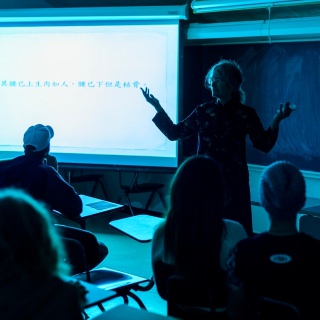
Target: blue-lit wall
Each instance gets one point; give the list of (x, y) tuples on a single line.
[(273, 74)]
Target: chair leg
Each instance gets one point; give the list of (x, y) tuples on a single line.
[(94, 188), (125, 298), (101, 307), (137, 299), (85, 315), (152, 196), (99, 181), (147, 287), (124, 194), (125, 294), (162, 199), (129, 204), (120, 197), (83, 224), (150, 199), (103, 189), (88, 275)]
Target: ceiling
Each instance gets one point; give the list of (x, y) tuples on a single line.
[(23, 4), (228, 12), (296, 11), (296, 8)]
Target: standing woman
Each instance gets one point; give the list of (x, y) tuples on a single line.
[(222, 126), (195, 241)]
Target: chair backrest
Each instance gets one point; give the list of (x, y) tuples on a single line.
[(162, 272), (272, 309), (192, 301), (310, 225), (132, 183), (76, 256)]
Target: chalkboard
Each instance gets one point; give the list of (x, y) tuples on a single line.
[(275, 73)]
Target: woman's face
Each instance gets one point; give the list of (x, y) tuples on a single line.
[(219, 85)]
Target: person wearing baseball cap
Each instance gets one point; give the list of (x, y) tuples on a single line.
[(33, 173), (38, 137), (36, 173)]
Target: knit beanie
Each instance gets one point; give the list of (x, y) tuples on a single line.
[(282, 190)]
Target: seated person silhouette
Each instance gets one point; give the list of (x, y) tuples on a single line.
[(31, 173), (32, 263), (280, 264), (35, 172), (194, 241)]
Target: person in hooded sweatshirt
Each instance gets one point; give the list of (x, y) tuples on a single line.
[(32, 172), (33, 283), (36, 173)]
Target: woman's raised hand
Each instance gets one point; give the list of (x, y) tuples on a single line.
[(151, 99)]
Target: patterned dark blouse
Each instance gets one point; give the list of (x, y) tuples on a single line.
[(222, 131)]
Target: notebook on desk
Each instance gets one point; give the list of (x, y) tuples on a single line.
[(93, 206)]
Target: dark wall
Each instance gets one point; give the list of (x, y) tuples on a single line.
[(192, 90), (273, 73)]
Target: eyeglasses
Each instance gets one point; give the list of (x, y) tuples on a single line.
[(214, 80)]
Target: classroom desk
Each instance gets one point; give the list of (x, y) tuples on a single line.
[(97, 295), (94, 295), (72, 171), (140, 227), (311, 207), (92, 207), (124, 311)]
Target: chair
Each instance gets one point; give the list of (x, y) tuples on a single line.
[(94, 296), (97, 179), (120, 282), (190, 301), (310, 225), (84, 250), (92, 207), (135, 187), (273, 309)]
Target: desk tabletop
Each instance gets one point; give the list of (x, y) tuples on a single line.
[(94, 206), (94, 294), (139, 227)]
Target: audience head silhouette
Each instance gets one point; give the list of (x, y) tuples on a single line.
[(274, 274), (32, 267), (194, 225), (282, 190), (28, 240), (191, 247), (37, 139)]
